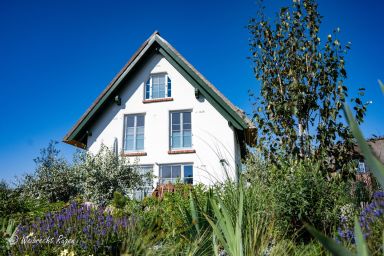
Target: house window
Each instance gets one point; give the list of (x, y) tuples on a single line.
[(361, 167), (181, 130), (176, 173), (146, 172), (158, 86), (134, 132)]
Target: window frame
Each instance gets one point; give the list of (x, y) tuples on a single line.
[(361, 167), (182, 179), (181, 112), (167, 86), (125, 123)]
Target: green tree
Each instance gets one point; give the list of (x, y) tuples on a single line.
[(104, 173), (93, 177), (298, 112), (53, 178)]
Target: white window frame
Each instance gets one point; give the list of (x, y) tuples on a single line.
[(134, 133), (151, 86), (361, 167), (180, 179), (181, 112)]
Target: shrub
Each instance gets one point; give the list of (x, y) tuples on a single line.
[(371, 220), (361, 193), (103, 174), (91, 177), (53, 179), (7, 232), (245, 231), (119, 201), (168, 220), (15, 205), (83, 229), (10, 201), (299, 192)]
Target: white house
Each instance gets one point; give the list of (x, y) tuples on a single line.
[(160, 112)]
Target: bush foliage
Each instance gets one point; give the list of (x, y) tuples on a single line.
[(92, 178)]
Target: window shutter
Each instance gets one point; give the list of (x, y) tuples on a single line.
[(147, 88), (169, 87)]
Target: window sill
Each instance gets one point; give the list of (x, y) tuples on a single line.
[(157, 100), (181, 151), (134, 154)]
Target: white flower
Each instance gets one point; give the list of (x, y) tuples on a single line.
[(64, 252)]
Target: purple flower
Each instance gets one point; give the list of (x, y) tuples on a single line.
[(369, 216), (80, 222)]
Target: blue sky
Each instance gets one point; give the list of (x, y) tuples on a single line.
[(57, 56)]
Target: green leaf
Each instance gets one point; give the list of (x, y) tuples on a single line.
[(382, 86), (192, 206), (227, 234), (361, 246), (328, 243), (215, 245)]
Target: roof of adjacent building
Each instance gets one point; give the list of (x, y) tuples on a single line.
[(77, 136), (377, 147)]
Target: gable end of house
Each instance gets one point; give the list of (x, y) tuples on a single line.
[(155, 44)]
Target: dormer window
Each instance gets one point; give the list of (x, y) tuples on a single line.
[(158, 86)]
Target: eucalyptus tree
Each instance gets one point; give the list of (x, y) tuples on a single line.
[(298, 112)]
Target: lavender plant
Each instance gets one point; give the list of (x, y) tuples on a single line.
[(371, 220), (81, 228)]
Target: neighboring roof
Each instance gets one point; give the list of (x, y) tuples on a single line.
[(77, 136), (377, 147)]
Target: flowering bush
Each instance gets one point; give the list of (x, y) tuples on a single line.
[(371, 221), (103, 174), (81, 228), (53, 180), (91, 177)]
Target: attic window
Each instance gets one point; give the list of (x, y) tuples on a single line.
[(158, 86)]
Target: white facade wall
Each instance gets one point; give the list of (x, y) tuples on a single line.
[(212, 137)]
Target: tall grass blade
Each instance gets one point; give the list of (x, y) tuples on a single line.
[(361, 246), (215, 246), (239, 223), (228, 234), (382, 86), (330, 244), (195, 219)]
